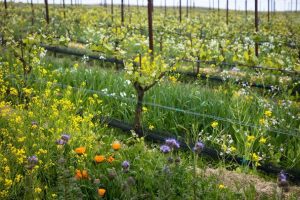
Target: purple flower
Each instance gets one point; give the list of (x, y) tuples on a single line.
[(125, 165), (60, 142), (165, 149), (199, 146), (282, 181), (172, 143), (32, 160), (282, 176), (65, 137)]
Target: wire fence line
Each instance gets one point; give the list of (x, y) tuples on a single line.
[(289, 132), (71, 51)]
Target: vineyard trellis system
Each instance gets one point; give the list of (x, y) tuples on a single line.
[(120, 65), (232, 64)]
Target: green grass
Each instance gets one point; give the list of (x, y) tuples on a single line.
[(225, 101)]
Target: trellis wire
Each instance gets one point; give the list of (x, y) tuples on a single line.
[(278, 131)]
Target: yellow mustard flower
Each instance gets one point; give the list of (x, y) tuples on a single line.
[(268, 113), (37, 190), (263, 140), (221, 186), (250, 138), (214, 124)]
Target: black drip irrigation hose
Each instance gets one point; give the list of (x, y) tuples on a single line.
[(221, 80), (191, 74), (160, 137), (80, 54)]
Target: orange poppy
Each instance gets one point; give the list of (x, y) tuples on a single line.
[(101, 192), (85, 174), (81, 174), (116, 145), (78, 174), (80, 150), (99, 158), (110, 159)]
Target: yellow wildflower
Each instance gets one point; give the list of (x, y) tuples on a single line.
[(268, 113), (255, 157), (145, 109), (263, 140), (262, 121), (232, 149), (13, 91), (214, 124), (172, 79), (18, 178), (221, 186), (151, 127), (37, 190), (8, 183), (250, 138), (6, 169)]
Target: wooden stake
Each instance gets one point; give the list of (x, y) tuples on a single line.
[(246, 8), (256, 26), (47, 11), (165, 8), (64, 7), (180, 11), (32, 12), (122, 12), (150, 25), (227, 4), (112, 10), (268, 10), (187, 8)]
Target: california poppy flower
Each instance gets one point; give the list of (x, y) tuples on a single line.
[(80, 150), (99, 158), (116, 145), (110, 159), (78, 174), (85, 174), (101, 192), (81, 174)]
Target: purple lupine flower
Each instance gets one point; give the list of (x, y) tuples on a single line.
[(199, 146), (125, 165), (65, 137), (165, 149), (172, 143), (33, 160)]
